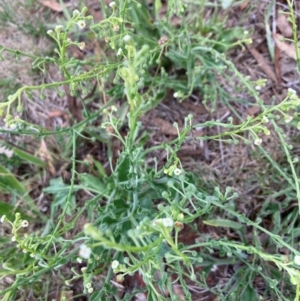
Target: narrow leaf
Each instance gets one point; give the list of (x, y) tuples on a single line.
[(10, 184), (249, 294), (223, 223)]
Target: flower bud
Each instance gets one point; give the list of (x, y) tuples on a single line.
[(178, 226), (112, 4)]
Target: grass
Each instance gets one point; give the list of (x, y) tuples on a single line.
[(97, 204)]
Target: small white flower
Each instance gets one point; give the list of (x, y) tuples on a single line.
[(297, 260), (58, 28), (85, 252), (176, 94), (83, 269), (246, 32), (265, 119), (112, 4), (167, 222), (3, 217), (88, 285), (258, 88), (119, 51), (292, 91), (177, 171), (90, 290), (79, 260), (288, 119), (81, 46), (115, 264), (127, 38), (81, 24), (50, 32), (116, 27), (114, 109), (76, 12), (24, 223), (13, 239), (32, 255), (24, 251), (258, 141)]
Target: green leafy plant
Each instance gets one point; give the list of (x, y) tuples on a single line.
[(131, 214)]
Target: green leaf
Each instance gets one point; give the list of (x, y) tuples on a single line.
[(9, 211), (249, 294), (10, 184), (157, 7), (60, 190), (100, 168), (123, 168), (226, 3), (146, 203), (57, 186), (223, 223), (26, 156), (164, 248), (120, 203), (92, 182), (270, 41)]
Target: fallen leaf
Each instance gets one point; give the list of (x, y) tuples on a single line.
[(252, 111), (288, 49), (178, 292), (277, 64), (46, 156), (190, 150), (284, 26), (73, 105), (263, 64), (195, 109), (55, 6), (57, 113), (165, 126), (244, 4)]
